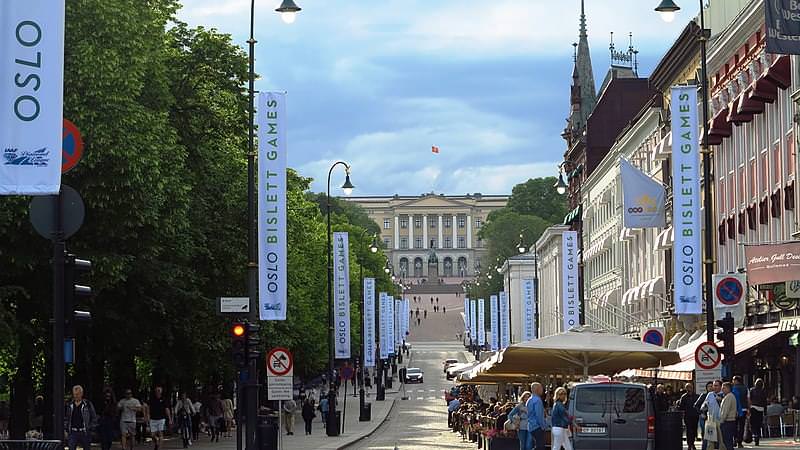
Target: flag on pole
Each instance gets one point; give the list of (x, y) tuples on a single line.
[(434, 149)]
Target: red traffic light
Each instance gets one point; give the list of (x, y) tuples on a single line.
[(238, 330)]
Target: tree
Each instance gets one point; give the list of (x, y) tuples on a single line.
[(538, 197)]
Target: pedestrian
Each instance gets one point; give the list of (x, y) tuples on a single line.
[(197, 419), (419, 321), (758, 405), (698, 405), (561, 421), (184, 411), (215, 411), (691, 415), (107, 422), (444, 310), (80, 420), (742, 408), (308, 414), (519, 416), (661, 400), (417, 312), (431, 300), (728, 416), (711, 409), (128, 407), (437, 300), (536, 423), (287, 411), (37, 421), (426, 314), (160, 412), (227, 416), (323, 409)]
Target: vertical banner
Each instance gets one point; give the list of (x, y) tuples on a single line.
[(398, 332), (369, 322), (466, 316), (341, 294), (570, 305), (272, 206), (383, 333), (782, 26), (473, 322), (481, 322), (31, 96), (686, 202), (505, 329), (528, 315), (494, 322), (390, 324)]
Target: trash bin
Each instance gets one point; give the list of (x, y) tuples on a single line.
[(380, 395), (267, 433), (366, 413), (669, 430), (388, 383), (334, 424), (31, 445)]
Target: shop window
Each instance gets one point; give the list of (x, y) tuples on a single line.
[(751, 216), (763, 211), (788, 197), (721, 235), (777, 173), (775, 203), (732, 227)]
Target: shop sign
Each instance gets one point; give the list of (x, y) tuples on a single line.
[(772, 263), (789, 324), (793, 289), (781, 299), (782, 20)]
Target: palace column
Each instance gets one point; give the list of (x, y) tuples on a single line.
[(425, 231), (441, 241), (396, 232)]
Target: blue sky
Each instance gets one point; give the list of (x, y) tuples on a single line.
[(376, 83)]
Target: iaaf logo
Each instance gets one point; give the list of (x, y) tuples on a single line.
[(646, 204), (38, 158)]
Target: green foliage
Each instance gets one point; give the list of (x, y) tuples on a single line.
[(538, 197)]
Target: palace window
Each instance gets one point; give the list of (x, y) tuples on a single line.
[(417, 222), (448, 221), (404, 222), (387, 224), (478, 223), (462, 242), (433, 243), (417, 242), (462, 221), (386, 242), (448, 243), (432, 221), (404, 243)]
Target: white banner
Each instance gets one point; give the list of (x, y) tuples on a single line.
[(31, 96), (642, 198), (272, 206), (383, 332), (569, 289), (505, 325), (494, 323), (481, 322), (390, 324), (398, 332), (528, 313), (466, 315), (473, 321), (686, 249), (369, 322), (404, 311), (341, 294)]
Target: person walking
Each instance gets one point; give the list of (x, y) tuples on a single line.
[(711, 408), (444, 310), (698, 405), (691, 416), (425, 316), (184, 411), (728, 416), (107, 421), (80, 420), (323, 409), (128, 408), (160, 412), (561, 421), (536, 423), (742, 408), (215, 411), (197, 419), (520, 414), (308, 414), (758, 405), (227, 416), (288, 409)]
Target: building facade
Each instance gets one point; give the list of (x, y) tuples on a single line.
[(432, 236), (550, 276), (514, 271)]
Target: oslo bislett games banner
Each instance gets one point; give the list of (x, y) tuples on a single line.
[(341, 295), (369, 322), (390, 324), (686, 248), (272, 206), (31, 96), (494, 323), (569, 264), (642, 198), (398, 311), (528, 317), (466, 315), (383, 333), (505, 326), (481, 322), (782, 21), (473, 321)]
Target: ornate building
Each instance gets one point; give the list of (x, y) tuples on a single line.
[(433, 235)]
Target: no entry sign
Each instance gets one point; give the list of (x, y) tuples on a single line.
[(707, 356), (280, 363), (71, 146), (654, 336), (729, 291)]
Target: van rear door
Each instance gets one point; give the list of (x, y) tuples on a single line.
[(628, 418), (591, 406)]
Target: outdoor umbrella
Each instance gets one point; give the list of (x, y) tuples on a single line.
[(581, 350)]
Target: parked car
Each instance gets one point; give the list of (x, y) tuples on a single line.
[(455, 370), (413, 375), (612, 412), (447, 363)]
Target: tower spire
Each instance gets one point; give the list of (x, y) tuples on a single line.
[(583, 94), (583, 21)]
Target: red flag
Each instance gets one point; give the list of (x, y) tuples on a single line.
[(434, 149)]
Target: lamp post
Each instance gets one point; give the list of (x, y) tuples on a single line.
[(288, 11), (332, 427), (667, 9)]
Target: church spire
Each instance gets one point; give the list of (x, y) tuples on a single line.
[(583, 96)]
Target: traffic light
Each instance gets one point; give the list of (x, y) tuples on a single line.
[(726, 336), (239, 345), (253, 341), (73, 268)]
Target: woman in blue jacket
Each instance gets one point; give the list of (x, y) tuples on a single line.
[(519, 415), (561, 421)]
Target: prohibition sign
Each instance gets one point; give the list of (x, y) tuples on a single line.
[(279, 362), (730, 291), (653, 337), (707, 356), (71, 146)]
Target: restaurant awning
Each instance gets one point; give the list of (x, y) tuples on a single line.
[(665, 239)]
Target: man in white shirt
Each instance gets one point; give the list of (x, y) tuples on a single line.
[(128, 407)]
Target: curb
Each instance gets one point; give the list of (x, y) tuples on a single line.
[(371, 432)]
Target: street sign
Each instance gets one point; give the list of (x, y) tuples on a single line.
[(234, 305), (707, 356), (71, 146), (729, 291), (280, 363), (279, 388), (730, 294), (72, 212), (654, 336), (703, 376)]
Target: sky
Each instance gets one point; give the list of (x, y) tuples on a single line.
[(376, 83)]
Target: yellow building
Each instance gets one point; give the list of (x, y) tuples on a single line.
[(432, 236)]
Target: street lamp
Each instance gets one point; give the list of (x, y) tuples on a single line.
[(665, 7), (561, 186), (374, 246), (251, 401), (521, 245), (667, 10), (288, 11), (347, 187)]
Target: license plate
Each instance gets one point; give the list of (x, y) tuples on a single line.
[(593, 430)]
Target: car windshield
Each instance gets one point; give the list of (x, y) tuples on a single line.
[(413, 370), (451, 361)]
